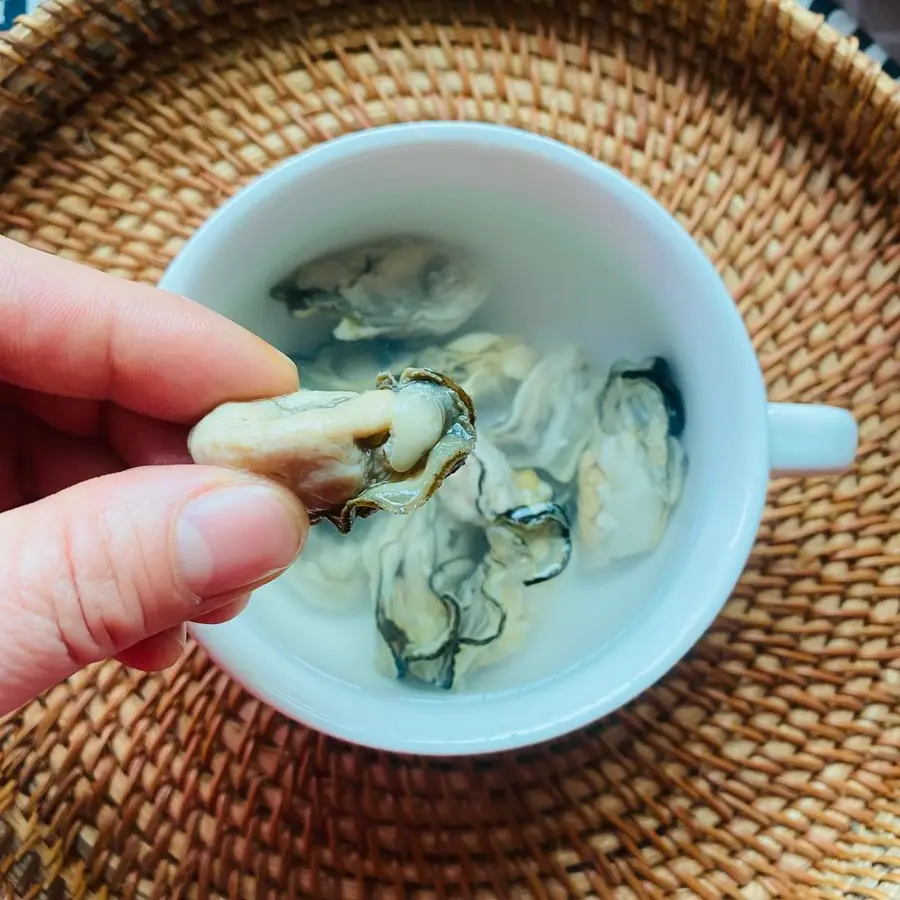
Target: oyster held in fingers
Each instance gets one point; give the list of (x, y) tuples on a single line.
[(399, 287), (344, 453)]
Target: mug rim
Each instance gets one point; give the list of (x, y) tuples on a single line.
[(234, 655)]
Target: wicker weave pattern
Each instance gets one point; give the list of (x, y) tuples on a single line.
[(768, 763)]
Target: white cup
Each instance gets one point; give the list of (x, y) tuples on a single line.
[(581, 254)]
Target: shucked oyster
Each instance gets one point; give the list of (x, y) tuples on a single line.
[(534, 541), (343, 453), (517, 510), (398, 287), (550, 420), (658, 372), (489, 367), (329, 573), (632, 474), (450, 581), (439, 610), (354, 367), (488, 487)]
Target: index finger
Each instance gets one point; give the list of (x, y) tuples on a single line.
[(70, 330)]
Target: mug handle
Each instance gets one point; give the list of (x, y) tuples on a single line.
[(810, 439)]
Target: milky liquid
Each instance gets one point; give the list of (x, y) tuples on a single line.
[(554, 285)]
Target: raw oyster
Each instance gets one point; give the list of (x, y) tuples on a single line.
[(517, 510), (329, 572), (354, 367), (632, 473), (659, 373), (343, 453), (440, 611), (488, 487), (449, 583), (549, 424), (535, 541), (488, 367), (399, 287)]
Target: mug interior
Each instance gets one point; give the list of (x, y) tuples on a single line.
[(578, 254)]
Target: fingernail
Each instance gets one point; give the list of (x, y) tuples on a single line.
[(284, 362), (235, 536), (214, 612)]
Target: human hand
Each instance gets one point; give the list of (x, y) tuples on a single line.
[(110, 539)]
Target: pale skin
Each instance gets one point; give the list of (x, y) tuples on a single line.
[(110, 538)]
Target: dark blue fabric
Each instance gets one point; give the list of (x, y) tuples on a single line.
[(827, 7), (9, 9)]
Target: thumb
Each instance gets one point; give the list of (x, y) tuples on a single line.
[(96, 568)]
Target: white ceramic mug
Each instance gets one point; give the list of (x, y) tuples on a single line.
[(579, 254)]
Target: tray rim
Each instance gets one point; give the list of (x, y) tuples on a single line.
[(60, 36), (34, 32), (45, 38)]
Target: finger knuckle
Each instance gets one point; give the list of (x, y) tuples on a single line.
[(92, 590)]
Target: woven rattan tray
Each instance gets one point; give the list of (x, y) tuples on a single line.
[(768, 763)]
